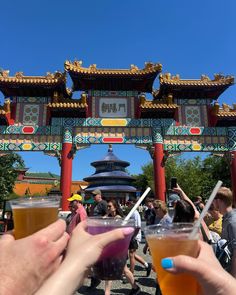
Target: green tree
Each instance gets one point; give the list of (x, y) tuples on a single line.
[(8, 175), (195, 176)]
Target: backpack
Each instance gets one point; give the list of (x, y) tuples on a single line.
[(223, 253)]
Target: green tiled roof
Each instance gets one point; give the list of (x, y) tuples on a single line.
[(42, 175)]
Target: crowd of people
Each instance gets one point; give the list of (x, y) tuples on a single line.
[(48, 261)]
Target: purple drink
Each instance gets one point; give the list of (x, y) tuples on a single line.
[(112, 261)]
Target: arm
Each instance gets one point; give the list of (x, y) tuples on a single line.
[(183, 196), (38, 256), (70, 274), (233, 266), (213, 279)]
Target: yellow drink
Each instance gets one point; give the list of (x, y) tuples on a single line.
[(167, 247), (170, 242), (29, 220), (33, 214)]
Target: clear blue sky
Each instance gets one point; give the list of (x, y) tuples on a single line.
[(189, 38)]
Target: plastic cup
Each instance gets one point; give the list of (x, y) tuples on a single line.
[(33, 214), (168, 241), (112, 261)]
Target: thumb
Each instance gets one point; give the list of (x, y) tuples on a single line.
[(186, 264)]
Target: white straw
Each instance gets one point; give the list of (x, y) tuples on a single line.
[(137, 204), (205, 209)]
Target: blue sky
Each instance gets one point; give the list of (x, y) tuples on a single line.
[(188, 38)]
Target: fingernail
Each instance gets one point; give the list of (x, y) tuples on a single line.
[(127, 230), (167, 263)]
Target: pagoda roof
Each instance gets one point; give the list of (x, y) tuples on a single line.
[(20, 85), (226, 112), (92, 78), (109, 174), (110, 157), (201, 87), (112, 188)]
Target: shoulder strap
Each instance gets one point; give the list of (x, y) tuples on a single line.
[(205, 237)]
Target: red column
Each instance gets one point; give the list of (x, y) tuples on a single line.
[(66, 169), (159, 172), (233, 175)]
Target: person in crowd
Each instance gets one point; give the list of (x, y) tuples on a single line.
[(189, 205), (198, 203), (149, 214), (214, 220), (206, 269), (173, 198), (184, 212), (78, 212), (114, 211), (134, 243), (223, 202), (162, 216), (26, 263), (99, 208)]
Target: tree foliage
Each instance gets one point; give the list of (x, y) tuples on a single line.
[(196, 176), (8, 175)]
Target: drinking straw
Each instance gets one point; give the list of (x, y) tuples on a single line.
[(205, 209), (137, 204)]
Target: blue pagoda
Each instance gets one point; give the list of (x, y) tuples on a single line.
[(111, 178)]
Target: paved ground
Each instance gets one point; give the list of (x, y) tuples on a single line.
[(147, 285)]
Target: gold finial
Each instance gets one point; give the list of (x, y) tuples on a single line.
[(226, 107), (49, 75), (55, 96), (205, 78), (83, 98), (110, 148), (167, 76), (78, 63), (93, 67), (7, 105), (176, 77), (4, 73), (216, 108), (133, 68), (19, 75), (169, 98), (142, 99)]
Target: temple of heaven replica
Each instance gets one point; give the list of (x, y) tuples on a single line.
[(111, 178)]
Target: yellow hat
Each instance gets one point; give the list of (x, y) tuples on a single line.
[(75, 197)]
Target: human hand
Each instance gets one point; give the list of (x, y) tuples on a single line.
[(213, 279), (27, 262), (178, 190), (83, 251)]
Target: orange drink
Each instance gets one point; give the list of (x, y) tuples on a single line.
[(168, 241), (33, 214)]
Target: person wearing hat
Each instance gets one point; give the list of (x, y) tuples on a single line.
[(78, 212), (173, 198), (99, 208)]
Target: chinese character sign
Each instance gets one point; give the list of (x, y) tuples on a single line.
[(113, 107)]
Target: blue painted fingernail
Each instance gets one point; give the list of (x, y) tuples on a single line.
[(167, 263)]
